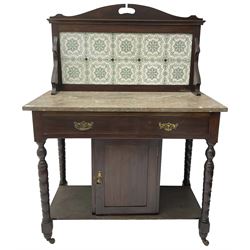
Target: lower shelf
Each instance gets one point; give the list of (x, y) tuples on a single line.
[(74, 202)]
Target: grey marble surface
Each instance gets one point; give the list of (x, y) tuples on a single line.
[(92, 101)]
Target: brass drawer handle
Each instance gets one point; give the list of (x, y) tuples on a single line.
[(168, 126), (83, 126)]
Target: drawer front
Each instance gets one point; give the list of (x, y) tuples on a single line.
[(55, 124)]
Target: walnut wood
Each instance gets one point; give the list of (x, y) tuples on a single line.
[(130, 88), (187, 162), (133, 27), (136, 162), (196, 73), (214, 123), (58, 125), (204, 223), (121, 125), (145, 20), (54, 78), (62, 163), (74, 202), (47, 223), (142, 14)]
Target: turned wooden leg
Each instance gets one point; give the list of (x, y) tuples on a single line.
[(62, 165), (47, 223), (187, 162), (207, 188)]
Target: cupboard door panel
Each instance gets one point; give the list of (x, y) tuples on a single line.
[(126, 176), (126, 168)]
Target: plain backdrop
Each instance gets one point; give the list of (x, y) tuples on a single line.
[(25, 72)]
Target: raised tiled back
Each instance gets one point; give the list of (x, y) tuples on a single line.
[(103, 50), (125, 58)]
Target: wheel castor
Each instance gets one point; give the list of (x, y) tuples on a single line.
[(51, 240), (205, 241)]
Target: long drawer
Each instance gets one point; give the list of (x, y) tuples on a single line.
[(121, 125)]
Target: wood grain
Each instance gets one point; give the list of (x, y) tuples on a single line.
[(62, 161), (204, 224), (121, 125), (74, 202), (130, 176), (47, 223), (142, 14), (187, 161)]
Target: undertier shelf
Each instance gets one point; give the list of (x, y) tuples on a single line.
[(74, 202)]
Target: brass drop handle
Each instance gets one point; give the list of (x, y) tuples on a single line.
[(99, 177), (83, 126), (168, 126)]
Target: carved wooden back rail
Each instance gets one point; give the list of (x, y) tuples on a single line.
[(73, 71)]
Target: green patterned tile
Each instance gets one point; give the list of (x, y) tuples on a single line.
[(126, 72), (72, 44), (73, 72), (99, 45), (100, 72), (126, 46), (179, 46), (152, 72), (153, 46), (125, 58), (178, 73)]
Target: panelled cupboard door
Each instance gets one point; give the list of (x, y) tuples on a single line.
[(126, 176)]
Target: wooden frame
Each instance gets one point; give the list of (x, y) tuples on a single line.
[(49, 125), (108, 19), (122, 125), (116, 127)]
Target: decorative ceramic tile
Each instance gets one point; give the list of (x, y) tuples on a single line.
[(152, 72), (72, 45), (153, 46), (179, 46), (100, 72), (125, 58), (99, 45), (126, 46), (73, 72), (126, 72), (177, 73)]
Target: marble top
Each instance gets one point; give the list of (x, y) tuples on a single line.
[(93, 101)]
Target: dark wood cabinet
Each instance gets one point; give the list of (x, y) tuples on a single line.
[(126, 176), (127, 82)]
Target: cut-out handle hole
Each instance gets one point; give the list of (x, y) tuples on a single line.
[(126, 10)]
